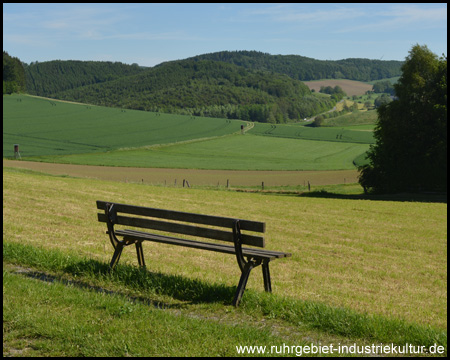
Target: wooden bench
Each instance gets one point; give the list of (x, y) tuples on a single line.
[(175, 222)]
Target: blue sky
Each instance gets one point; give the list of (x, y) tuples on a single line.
[(149, 34)]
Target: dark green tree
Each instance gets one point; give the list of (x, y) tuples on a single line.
[(410, 153), (13, 74), (382, 100)]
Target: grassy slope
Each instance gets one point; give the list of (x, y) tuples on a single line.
[(362, 272), (108, 325), (45, 129), (377, 257)]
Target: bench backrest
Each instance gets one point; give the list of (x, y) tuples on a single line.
[(180, 223)]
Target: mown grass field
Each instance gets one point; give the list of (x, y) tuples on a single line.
[(361, 271), (350, 87)]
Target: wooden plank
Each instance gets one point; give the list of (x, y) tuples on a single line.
[(228, 249), (220, 221), (184, 229)]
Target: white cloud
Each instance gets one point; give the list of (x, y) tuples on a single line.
[(412, 13), (306, 13), (403, 17), (319, 15)]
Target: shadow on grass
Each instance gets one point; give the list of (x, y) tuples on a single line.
[(177, 287), (127, 276), (407, 197), (142, 280)]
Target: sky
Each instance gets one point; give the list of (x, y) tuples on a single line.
[(149, 34)]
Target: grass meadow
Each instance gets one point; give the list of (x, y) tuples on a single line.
[(364, 272), (236, 152), (50, 127), (54, 131)]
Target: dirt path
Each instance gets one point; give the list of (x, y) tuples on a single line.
[(195, 177)]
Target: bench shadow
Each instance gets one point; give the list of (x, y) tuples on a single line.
[(189, 291)]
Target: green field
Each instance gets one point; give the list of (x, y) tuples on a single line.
[(52, 131), (48, 127), (361, 272), (328, 134), (236, 152)]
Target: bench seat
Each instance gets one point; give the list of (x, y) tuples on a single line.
[(133, 235)]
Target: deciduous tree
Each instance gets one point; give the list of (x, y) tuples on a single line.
[(410, 153)]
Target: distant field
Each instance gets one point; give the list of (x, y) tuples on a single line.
[(350, 87), (239, 152), (354, 121), (52, 131), (331, 134), (49, 127)]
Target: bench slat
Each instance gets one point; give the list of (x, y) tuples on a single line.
[(184, 229), (228, 249), (249, 225)]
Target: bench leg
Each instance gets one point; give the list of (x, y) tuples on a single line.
[(116, 256), (266, 276), (140, 254), (242, 283)]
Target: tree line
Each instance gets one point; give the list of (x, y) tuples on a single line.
[(306, 69), (50, 77), (13, 75)]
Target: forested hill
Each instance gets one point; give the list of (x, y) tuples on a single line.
[(305, 69), (245, 85), (207, 88), (50, 77)]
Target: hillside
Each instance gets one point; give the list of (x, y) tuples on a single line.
[(46, 127), (206, 88), (305, 69), (47, 78), (245, 85)]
